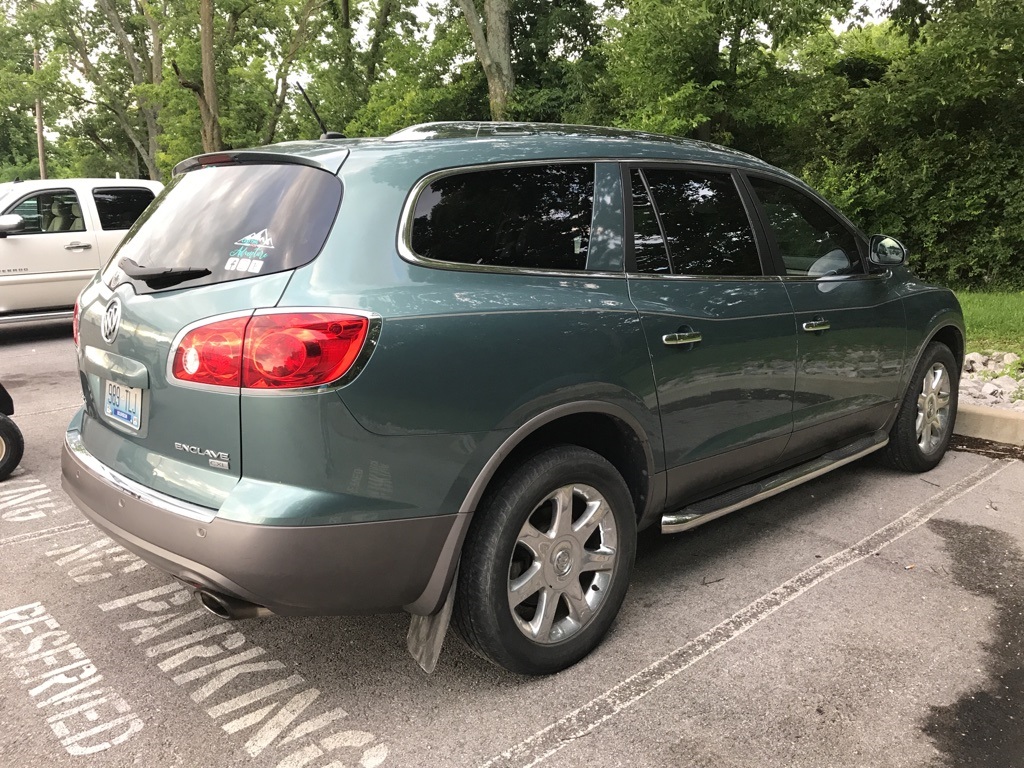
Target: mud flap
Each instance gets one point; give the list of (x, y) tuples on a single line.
[(427, 633)]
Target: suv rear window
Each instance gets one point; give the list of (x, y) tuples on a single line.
[(237, 221), (526, 217)]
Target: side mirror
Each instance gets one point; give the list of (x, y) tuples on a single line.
[(10, 223), (886, 251)]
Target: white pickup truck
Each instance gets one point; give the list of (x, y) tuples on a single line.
[(55, 234)]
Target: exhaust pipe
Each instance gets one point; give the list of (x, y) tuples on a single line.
[(230, 608)]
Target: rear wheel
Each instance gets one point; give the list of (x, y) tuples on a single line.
[(546, 562), (12, 446), (924, 426)]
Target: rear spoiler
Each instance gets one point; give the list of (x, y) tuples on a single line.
[(311, 154)]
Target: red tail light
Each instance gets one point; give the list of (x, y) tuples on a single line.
[(74, 322), (300, 350), (272, 351), (211, 354)]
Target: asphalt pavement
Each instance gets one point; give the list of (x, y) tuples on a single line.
[(868, 618)]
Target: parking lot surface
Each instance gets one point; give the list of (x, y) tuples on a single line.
[(868, 618)]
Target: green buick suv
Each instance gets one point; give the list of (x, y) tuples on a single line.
[(453, 371)]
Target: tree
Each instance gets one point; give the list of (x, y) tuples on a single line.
[(205, 89), (430, 76), (17, 95), (677, 67), (929, 152), (109, 46), (493, 44)]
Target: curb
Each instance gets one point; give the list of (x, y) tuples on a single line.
[(994, 424)]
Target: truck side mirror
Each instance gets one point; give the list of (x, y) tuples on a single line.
[(11, 223)]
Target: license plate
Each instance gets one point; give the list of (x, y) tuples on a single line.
[(123, 404)]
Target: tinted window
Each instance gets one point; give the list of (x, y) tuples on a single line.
[(529, 217), (811, 241), (706, 228), (237, 221), (50, 211), (648, 243), (119, 208)]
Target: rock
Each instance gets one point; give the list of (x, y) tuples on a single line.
[(1006, 383), (974, 361), (970, 385), (992, 365), (989, 388), (1010, 358)]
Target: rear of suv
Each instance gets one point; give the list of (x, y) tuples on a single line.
[(454, 371)]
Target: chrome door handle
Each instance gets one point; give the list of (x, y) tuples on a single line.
[(77, 246), (817, 325), (686, 337)]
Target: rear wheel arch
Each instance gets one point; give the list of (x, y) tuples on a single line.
[(608, 430)]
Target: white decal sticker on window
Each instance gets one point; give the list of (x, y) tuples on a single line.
[(245, 260), (261, 239)]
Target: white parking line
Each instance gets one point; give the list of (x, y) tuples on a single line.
[(45, 533), (72, 407), (553, 738), (27, 498)]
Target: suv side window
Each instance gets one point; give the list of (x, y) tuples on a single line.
[(49, 211), (702, 223), (811, 241), (524, 217), (119, 208), (649, 249)]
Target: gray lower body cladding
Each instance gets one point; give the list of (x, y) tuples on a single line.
[(357, 568)]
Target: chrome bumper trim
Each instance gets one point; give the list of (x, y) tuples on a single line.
[(131, 488)]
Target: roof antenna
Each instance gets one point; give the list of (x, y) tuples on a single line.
[(326, 134)]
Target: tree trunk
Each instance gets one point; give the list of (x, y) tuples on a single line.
[(156, 66), (379, 31), (212, 141), (493, 50), (143, 70)]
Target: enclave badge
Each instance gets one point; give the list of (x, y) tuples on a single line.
[(218, 459), (111, 320)]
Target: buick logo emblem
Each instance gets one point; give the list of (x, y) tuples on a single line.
[(111, 320)]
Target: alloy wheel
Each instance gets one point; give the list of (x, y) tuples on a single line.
[(562, 564)]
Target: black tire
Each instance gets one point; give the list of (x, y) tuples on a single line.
[(924, 425), (12, 446), (567, 571)]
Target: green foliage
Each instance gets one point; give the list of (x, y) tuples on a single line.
[(431, 76), (929, 152), (911, 125)]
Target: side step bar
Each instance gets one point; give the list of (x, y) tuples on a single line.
[(56, 314), (744, 496)]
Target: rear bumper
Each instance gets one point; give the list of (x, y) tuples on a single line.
[(374, 567)]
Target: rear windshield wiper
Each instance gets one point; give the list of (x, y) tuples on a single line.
[(160, 277)]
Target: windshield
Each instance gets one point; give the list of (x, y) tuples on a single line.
[(237, 221)]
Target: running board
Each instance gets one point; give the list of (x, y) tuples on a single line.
[(744, 496), (57, 314)]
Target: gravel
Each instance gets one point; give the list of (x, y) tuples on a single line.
[(994, 379)]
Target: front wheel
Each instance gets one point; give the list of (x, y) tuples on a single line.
[(12, 446), (924, 426), (546, 562)]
